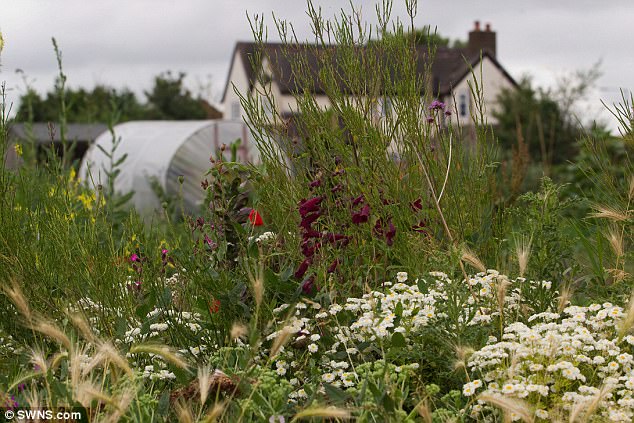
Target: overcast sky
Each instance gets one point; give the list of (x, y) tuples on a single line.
[(125, 43)]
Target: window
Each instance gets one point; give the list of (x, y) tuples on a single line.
[(463, 105), (235, 110)]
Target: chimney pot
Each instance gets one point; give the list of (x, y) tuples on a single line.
[(477, 25), (488, 27)]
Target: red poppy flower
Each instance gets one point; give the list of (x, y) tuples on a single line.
[(214, 307), (255, 218)]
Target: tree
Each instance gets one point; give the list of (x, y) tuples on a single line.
[(540, 121), (427, 36), (169, 99), (82, 106), (545, 118)]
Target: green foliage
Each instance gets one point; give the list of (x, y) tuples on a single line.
[(167, 100), (425, 36), (84, 106), (536, 116), (335, 154), (539, 220)]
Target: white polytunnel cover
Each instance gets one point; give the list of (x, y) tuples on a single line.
[(163, 150)]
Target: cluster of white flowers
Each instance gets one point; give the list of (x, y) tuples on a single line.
[(561, 362), (490, 287), (369, 320), (150, 372), (160, 320), (265, 238)]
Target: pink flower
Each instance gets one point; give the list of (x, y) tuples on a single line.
[(134, 257)]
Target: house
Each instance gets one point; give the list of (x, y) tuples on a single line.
[(452, 70)]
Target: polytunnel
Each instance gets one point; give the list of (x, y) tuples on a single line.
[(163, 150)]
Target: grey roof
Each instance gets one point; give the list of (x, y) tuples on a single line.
[(448, 65), (45, 133)]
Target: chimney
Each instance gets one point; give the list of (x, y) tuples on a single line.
[(481, 41)]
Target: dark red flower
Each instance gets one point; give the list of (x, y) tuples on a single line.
[(355, 201), (416, 205), (309, 247), (307, 285), (315, 183), (303, 267), (361, 216), (390, 234), (333, 266), (311, 233), (310, 205), (421, 226), (255, 218), (332, 238), (309, 219)]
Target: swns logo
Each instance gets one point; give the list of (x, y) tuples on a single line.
[(44, 414)]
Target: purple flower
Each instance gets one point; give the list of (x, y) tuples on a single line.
[(437, 105), (447, 112), (336, 188), (430, 119), (134, 257), (210, 242), (361, 216), (315, 183)]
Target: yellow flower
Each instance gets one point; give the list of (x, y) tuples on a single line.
[(1, 42), (87, 200), (17, 147)]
